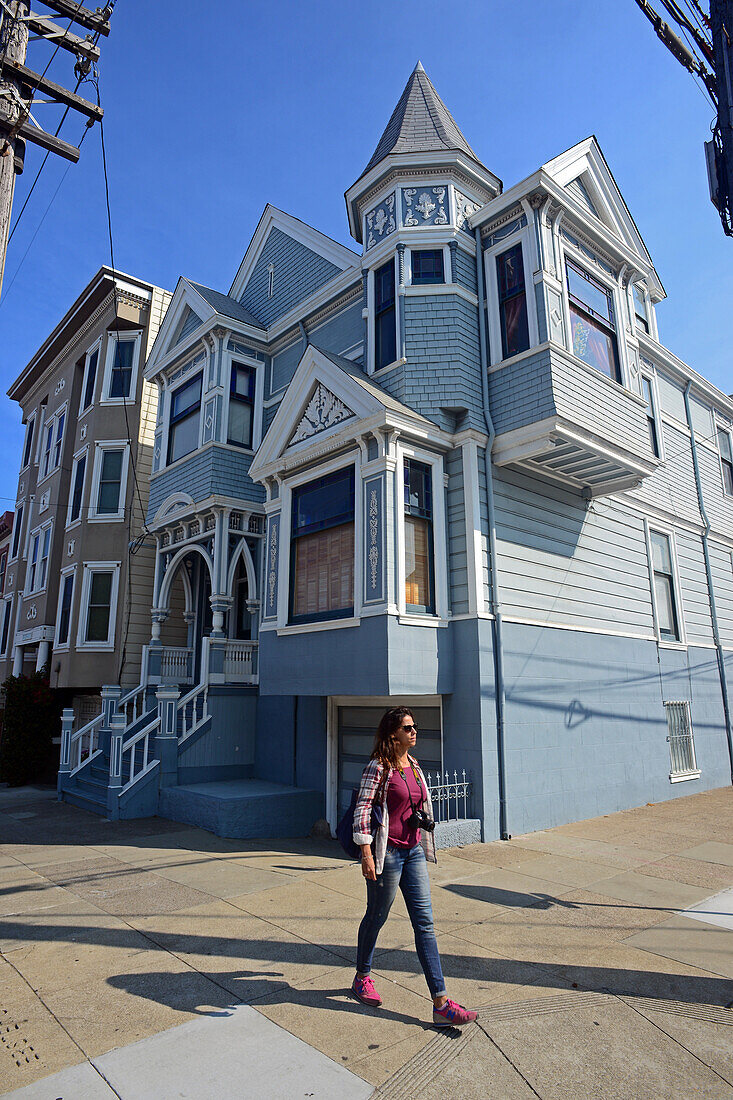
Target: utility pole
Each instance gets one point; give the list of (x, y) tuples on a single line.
[(708, 55), (19, 84), (13, 45)]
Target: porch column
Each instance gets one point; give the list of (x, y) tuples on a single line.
[(158, 616), (42, 658), (189, 618), (67, 725), (18, 661), (219, 607), (253, 606), (166, 739), (111, 695)]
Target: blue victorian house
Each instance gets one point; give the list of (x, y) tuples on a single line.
[(453, 468)]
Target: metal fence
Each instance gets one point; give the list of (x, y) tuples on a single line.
[(681, 744), (450, 797)]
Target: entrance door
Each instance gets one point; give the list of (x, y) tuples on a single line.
[(356, 728)]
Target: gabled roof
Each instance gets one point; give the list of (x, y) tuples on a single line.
[(373, 388), (226, 306), (420, 123)]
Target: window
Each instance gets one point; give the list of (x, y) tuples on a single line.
[(664, 590), (3, 568), (427, 266), (385, 332), (77, 489), (47, 449), (419, 578), (241, 405), (640, 307), (322, 559), (183, 432), (59, 440), (651, 416), (726, 461), (28, 447), (110, 480), (38, 560), (7, 614), (683, 764), (90, 379), (121, 354), (64, 613), (512, 302), (99, 598), (592, 321), (17, 527)]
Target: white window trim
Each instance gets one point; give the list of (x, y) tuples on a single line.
[(58, 646), (440, 564), (651, 378), (96, 346), (229, 359), (52, 421), (99, 449), (353, 458), (30, 427), (371, 309), (170, 390), (112, 340), (427, 247), (637, 327), (83, 453), (718, 426), (12, 557), (567, 252), (524, 237), (90, 568), (7, 600), (662, 529), (40, 532)]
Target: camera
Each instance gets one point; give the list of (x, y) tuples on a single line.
[(418, 819)]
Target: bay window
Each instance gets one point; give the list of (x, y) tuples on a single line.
[(90, 379), (77, 489), (641, 313), (98, 605), (119, 384), (322, 548), (241, 405), (651, 414), (40, 549), (385, 332), (64, 612), (28, 447), (592, 321), (419, 571), (427, 266), (512, 302), (108, 501), (183, 431)]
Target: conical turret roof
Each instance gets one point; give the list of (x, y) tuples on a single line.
[(420, 123)]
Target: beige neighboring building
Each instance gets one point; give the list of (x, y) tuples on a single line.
[(77, 586)]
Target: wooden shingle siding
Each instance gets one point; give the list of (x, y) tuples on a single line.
[(284, 364), (299, 272), (564, 565), (466, 270), (442, 352), (457, 566), (217, 470)]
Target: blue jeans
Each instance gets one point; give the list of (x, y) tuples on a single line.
[(406, 868)]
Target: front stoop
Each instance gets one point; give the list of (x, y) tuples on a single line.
[(243, 808)]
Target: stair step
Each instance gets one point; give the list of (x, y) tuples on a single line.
[(78, 798)]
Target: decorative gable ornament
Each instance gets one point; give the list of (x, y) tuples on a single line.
[(323, 411)]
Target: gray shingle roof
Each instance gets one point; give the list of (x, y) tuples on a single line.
[(420, 123), (372, 387), (228, 307)]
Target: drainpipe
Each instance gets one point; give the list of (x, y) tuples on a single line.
[(709, 575), (497, 631)]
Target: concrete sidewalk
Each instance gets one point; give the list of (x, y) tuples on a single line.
[(147, 959)]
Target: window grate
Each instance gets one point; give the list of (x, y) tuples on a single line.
[(681, 743)]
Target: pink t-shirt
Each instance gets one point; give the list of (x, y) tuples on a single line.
[(401, 835)]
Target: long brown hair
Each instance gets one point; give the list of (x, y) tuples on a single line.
[(384, 747)]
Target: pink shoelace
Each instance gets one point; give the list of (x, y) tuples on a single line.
[(366, 985)]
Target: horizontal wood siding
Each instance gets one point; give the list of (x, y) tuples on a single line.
[(694, 588), (721, 564), (561, 564), (672, 486)]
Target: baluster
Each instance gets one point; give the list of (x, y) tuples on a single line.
[(145, 752)]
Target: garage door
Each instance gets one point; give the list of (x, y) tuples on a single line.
[(356, 729)]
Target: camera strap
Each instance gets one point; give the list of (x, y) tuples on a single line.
[(419, 784)]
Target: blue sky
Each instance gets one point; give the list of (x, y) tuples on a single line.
[(213, 110)]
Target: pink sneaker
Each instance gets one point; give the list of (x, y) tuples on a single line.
[(452, 1015), (364, 991)]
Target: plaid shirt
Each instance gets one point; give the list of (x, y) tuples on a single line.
[(370, 780)]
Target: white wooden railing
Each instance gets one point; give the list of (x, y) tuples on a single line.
[(240, 662), (83, 744), (192, 711), (176, 664), (135, 764)]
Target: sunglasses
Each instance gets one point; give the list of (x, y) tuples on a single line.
[(408, 729)]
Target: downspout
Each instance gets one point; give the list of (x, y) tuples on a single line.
[(497, 631), (709, 575)]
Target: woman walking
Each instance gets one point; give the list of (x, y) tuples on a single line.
[(393, 781)]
